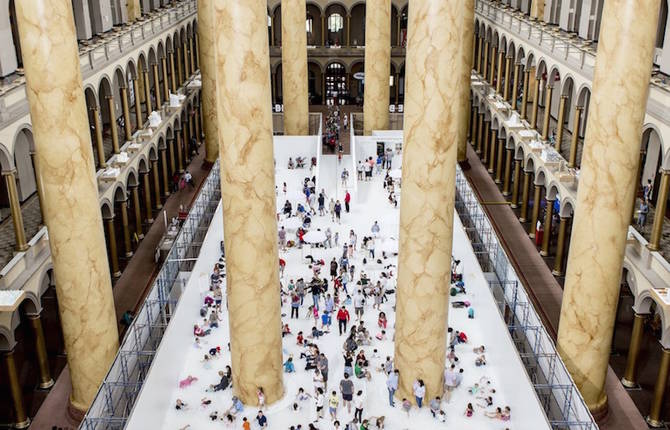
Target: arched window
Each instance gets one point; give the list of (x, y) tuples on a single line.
[(335, 23)]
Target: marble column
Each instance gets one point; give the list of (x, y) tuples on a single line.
[(170, 145), (113, 255), (180, 151), (561, 123), (659, 214), (15, 209), (21, 420), (525, 194), (157, 184), (294, 68), (492, 68), (164, 171), (576, 125), (377, 65), (157, 86), (480, 132), (537, 10), (492, 150), (535, 214), (499, 71), (427, 204), (207, 69), (516, 184), (112, 124), (180, 64), (473, 127), (138, 104), (515, 86), (135, 194), (186, 59), (536, 99), (46, 381), (546, 237), (173, 71), (147, 91), (479, 54), (99, 146), (191, 49), (134, 10), (248, 187), (549, 90), (508, 73), (467, 15), (602, 216), (127, 125), (126, 230), (524, 95), (487, 138), (655, 419), (629, 379), (164, 73), (485, 67), (39, 186), (76, 236), (146, 185), (560, 247), (499, 160)]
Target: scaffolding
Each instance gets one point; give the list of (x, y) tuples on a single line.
[(119, 390), (563, 404)]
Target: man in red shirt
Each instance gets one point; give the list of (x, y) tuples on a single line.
[(342, 319), (347, 199)]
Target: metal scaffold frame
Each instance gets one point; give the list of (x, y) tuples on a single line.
[(562, 402), (117, 394)]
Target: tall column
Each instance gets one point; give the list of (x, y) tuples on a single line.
[(146, 184), (157, 85), (180, 151), (561, 121), (39, 185), (324, 29), (294, 68), (348, 30), (46, 381), (187, 62), (515, 86), (473, 127), (157, 184), (198, 133), (516, 184), (166, 89), (524, 95), (600, 225), (487, 139), (659, 214), (208, 78), (180, 64), (113, 255), (537, 10), (21, 418), (499, 160), (164, 170), (480, 132), (170, 145), (134, 192), (654, 418), (492, 69), (508, 172), (185, 130), (547, 111), (499, 72), (126, 230), (377, 65), (191, 48), (138, 104), (479, 54), (629, 379), (536, 99), (76, 236), (467, 10), (525, 194), (486, 61), (173, 71), (427, 204), (576, 125), (508, 72), (147, 91), (127, 125), (560, 247), (112, 123), (536, 211), (243, 97), (134, 10), (99, 147), (548, 216), (492, 150), (15, 209)]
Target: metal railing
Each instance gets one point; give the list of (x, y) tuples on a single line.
[(119, 390), (562, 402)]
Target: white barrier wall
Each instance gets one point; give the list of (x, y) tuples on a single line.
[(295, 146)]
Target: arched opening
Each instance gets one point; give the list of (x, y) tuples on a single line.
[(276, 25), (336, 83), (315, 83), (357, 83), (15, 33), (357, 37), (313, 24), (403, 27), (662, 24), (335, 31), (25, 170)]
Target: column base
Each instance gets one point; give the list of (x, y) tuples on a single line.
[(514, 206), (116, 275), (600, 410), (166, 194), (22, 248), (159, 207), (522, 219), (75, 412), (181, 170), (652, 247), (653, 423), (506, 193), (544, 254), (129, 254), (207, 164), (557, 273), (46, 385), (150, 220), (140, 236), (498, 181), (628, 384), (23, 424), (490, 171), (531, 235), (478, 151)]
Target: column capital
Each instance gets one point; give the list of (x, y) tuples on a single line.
[(109, 97), (9, 172), (108, 217), (565, 96)]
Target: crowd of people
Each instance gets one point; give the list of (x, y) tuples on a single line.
[(338, 308)]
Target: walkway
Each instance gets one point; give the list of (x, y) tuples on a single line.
[(32, 222), (544, 290), (129, 291)]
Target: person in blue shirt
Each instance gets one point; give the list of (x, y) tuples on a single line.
[(289, 367), (392, 385), (262, 420)]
